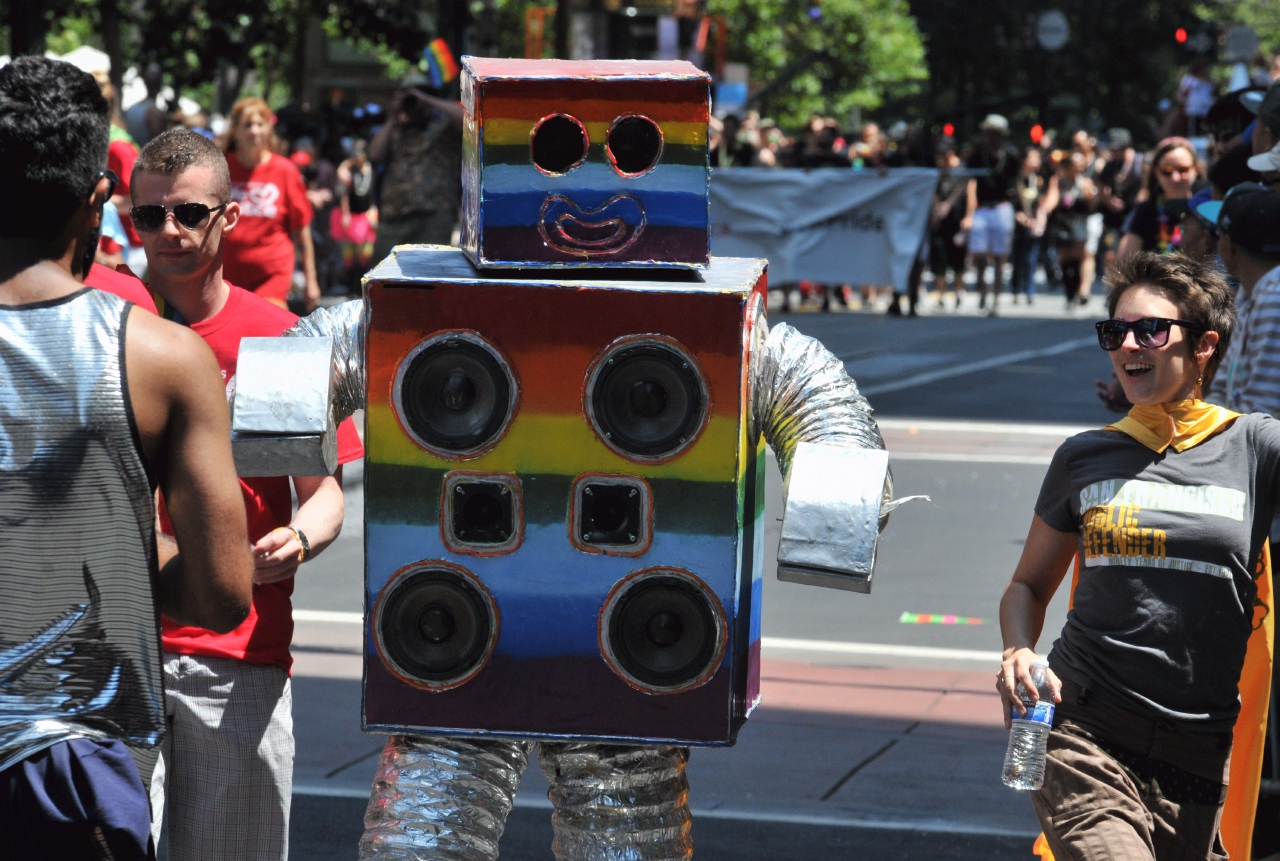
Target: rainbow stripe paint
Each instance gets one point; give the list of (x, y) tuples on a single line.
[(938, 619), (515, 213), (547, 677)]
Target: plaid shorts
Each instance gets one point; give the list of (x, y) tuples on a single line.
[(226, 765)]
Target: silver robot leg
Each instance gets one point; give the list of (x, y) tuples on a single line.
[(442, 799), (617, 802)]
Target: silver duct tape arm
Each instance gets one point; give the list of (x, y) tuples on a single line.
[(837, 483), (281, 419), (443, 799), (618, 803), (345, 324)]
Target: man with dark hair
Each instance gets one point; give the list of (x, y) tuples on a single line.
[(99, 404), (226, 767)]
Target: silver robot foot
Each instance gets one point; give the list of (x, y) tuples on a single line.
[(618, 803), (441, 799)]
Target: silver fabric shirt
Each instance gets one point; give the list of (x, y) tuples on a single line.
[(79, 627)]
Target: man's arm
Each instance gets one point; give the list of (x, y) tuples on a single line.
[(302, 238), (380, 146), (180, 407), (277, 554), (452, 110), (971, 193)]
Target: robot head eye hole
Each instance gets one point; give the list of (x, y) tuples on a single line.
[(634, 144), (559, 143)]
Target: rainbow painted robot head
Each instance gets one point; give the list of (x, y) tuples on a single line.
[(585, 163)]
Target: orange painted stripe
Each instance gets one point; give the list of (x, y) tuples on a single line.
[(551, 378)]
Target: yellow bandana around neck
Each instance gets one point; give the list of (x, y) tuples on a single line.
[(1181, 424)]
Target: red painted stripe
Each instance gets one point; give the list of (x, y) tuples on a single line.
[(533, 100)]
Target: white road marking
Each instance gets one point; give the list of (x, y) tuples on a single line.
[(957, 426), (926, 377), (328, 616), (845, 648), (832, 646), (935, 826), (968, 458), (836, 646)]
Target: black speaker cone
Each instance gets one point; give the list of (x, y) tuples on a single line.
[(482, 513), (664, 632), (435, 626), (455, 396), (611, 514), (648, 400)]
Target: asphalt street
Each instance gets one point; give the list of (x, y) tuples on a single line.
[(879, 735)]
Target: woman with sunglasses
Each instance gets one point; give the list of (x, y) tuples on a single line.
[(274, 211), (1166, 512), (1172, 172)]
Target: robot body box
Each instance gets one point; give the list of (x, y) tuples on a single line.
[(594, 163), (563, 501)]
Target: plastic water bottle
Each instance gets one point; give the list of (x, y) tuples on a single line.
[(1024, 759)]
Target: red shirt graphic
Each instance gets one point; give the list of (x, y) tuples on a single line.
[(273, 204)]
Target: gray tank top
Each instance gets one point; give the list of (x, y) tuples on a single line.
[(79, 626)]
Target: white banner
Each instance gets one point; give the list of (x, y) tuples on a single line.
[(833, 225)]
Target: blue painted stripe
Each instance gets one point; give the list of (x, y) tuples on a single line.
[(662, 209), (548, 592), (511, 178)]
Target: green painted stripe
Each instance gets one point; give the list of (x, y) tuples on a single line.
[(409, 494), (688, 154)]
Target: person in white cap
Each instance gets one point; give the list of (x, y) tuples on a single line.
[(993, 196), (1268, 164)]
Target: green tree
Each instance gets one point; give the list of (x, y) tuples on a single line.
[(1262, 15), (824, 56), (1119, 61)]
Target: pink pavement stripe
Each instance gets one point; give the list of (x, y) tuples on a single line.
[(880, 694)]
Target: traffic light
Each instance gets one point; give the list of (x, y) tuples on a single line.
[(1180, 35)]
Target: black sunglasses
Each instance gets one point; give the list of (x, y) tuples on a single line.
[(1148, 331), (151, 217)]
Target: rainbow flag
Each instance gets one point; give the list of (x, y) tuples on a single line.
[(441, 67)]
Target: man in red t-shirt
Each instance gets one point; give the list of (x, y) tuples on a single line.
[(124, 285), (227, 761)]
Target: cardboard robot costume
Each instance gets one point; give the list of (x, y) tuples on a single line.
[(564, 479)]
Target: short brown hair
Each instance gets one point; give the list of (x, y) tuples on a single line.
[(1198, 289), (172, 152)]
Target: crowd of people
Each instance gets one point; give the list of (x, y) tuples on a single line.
[(323, 193), (1048, 217)]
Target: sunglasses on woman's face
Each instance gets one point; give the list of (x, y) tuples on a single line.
[(1173, 170), (151, 217), (1148, 331)]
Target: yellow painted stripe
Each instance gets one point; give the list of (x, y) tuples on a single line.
[(505, 132), (558, 444)]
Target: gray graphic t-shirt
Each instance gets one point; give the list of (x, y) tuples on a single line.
[(1168, 548)]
